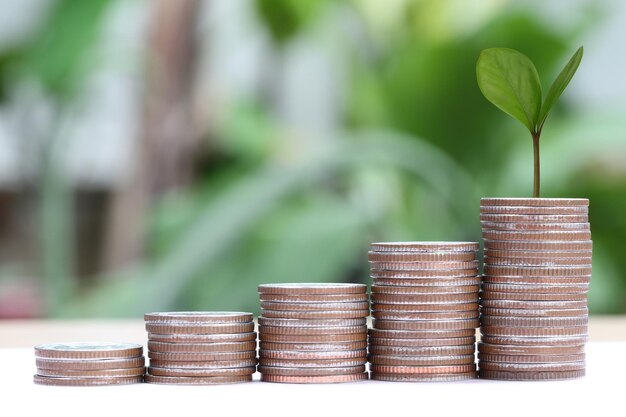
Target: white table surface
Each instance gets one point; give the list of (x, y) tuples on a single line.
[(602, 392)]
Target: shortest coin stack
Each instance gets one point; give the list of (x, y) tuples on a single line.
[(89, 364), (313, 333), (200, 347)]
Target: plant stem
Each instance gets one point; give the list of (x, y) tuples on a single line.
[(536, 180)]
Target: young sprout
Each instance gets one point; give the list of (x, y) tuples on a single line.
[(509, 80)]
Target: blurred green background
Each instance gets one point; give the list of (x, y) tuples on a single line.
[(165, 155)]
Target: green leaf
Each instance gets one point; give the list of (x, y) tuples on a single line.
[(559, 85), (509, 80)]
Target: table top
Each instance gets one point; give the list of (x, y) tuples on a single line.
[(600, 392)]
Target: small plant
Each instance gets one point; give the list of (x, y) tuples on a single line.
[(509, 80)]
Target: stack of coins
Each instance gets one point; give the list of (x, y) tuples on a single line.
[(313, 333), (201, 348), (425, 311), (89, 364), (537, 270)]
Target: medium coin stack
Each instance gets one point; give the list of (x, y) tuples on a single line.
[(425, 311), (313, 333), (201, 347), (89, 364), (537, 269)]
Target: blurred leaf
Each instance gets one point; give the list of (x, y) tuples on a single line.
[(286, 18), (58, 52), (228, 220), (559, 85), (509, 80)]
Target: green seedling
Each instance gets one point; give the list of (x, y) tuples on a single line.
[(509, 80)]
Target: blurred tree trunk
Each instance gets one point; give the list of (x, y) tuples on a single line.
[(165, 150)]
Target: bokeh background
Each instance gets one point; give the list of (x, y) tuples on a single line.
[(173, 154)]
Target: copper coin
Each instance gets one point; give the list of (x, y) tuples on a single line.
[(422, 350), (314, 346), (197, 380), (494, 253), (423, 377), (507, 321), (530, 376), (201, 347), (345, 370), (535, 218), (403, 256), (89, 350), (329, 379), (427, 282), (534, 305), (535, 226), (451, 341), (431, 334), (536, 235), (425, 315), (314, 298), (556, 262), (534, 331), (539, 245), (534, 296), (311, 288), (89, 365), (450, 360), (423, 298), (426, 307), (293, 354), (577, 357), (576, 210), (270, 305), (499, 279), (421, 274), (202, 338), (199, 328), (334, 314), (425, 246), (310, 331), (418, 266), (194, 357), (450, 369), (266, 321), (490, 349), (102, 373), (540, 271), (329, 338), (543, 289), (199, 317), (84, 382), (425, 324), (462, 289), (532, 367), (534, 202), (207, 365), (422, 360), (312, 363), (201, 372), (534, 341)]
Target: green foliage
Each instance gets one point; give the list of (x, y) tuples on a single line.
[(57, 55), (286, 18), (558, 86), (510, 81)]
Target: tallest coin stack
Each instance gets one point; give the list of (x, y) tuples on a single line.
[(537, 270)]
